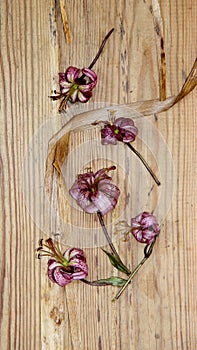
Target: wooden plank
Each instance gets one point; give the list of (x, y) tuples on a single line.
[(158, 311)]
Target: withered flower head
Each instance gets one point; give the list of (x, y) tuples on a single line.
[(75, 85), (66, 267), (144, 227), (94, 192), (120, 129)]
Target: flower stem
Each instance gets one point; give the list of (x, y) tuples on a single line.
[(145, 163), (93, 283), (101, 48), (113, 249), (147, 252)]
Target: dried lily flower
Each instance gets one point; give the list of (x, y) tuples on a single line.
[(66, 267), (120, 129), (94, 192), (77, 84), (144, 228), (123, 130)]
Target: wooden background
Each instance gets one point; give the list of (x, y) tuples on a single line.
[(158, 311)]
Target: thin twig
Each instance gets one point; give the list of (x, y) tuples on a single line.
[(101, 48), (144, 162), (147, 252), (113, 249)]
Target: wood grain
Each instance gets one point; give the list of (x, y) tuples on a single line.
[(158, 311)]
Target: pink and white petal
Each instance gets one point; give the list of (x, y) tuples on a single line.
[(84, 97), (107, 136), (148, 219), (72, 73), (65, 87), (90, 74), (86, 204), (80, 266), (128, 136), (103, 203), (131, 128), (62, 77), (123, 122), (109, 189), (75, 190), (74, 96), (76, 253), (62, 277), (56, 273), (87, 87), (79, 275)]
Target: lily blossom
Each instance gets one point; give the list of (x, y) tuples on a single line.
[(66, 267), (75, 85), (94, 192), (120, 129), (144, 228)]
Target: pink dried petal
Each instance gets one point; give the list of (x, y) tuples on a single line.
[(109, 189), (57, 273), (74, 253), (104, 203), (145, 227), (122, 129), (108, 136), (94, 192), (90, 74), (72, 73), (84, 96)]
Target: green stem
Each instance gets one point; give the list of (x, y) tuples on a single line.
[(147, 252), (145, 163)]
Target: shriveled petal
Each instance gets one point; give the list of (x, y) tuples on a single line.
[(58, 274), (127, 129), (148, 219), (79, 275), (103, 173), (109, 189), (104, 203), (72, 73), (75, 190), (65, 85), (90, 74), (74, 97), (85, 203), (108, 136), (124, 123), (74, 253), (129, 136), (84, 96)]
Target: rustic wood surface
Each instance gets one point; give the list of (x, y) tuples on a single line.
[(158, 311)]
